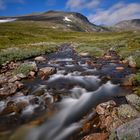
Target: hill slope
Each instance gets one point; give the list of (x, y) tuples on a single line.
[(62, 20)]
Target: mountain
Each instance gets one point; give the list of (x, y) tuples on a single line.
[(133, 24), (60, 20)]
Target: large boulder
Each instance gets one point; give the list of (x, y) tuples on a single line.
[(130, 130)]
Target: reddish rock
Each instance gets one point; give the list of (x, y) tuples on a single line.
[(119, 68), (47, 71), (96, 136), (102, 108)]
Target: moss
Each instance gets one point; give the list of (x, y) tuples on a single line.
[(126, 111), (24, 69)]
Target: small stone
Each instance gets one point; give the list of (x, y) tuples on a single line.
[(100, 110), (19, 85), (84, 54), (119, 68), (40, 59), (107, 56), (47, 71), (32, 73)]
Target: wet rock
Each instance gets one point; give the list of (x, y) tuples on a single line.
[(96, 136), (47, 71), (127, 112), (129, 80), (103, 107), (10, 108), (8, 89), (48, 99), (35, 100), (130, 130), (40, 59), (134, 100)]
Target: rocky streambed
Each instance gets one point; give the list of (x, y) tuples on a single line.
[(65, 95)]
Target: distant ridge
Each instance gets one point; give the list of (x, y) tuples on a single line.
[(62, 20)]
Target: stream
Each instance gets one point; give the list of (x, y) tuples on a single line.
[(79, 84)]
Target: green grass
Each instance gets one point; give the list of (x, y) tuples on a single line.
[(23, 36)]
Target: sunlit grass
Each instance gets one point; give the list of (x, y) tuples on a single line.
[(23, 35)]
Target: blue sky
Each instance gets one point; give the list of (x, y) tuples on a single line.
[(98, 11)]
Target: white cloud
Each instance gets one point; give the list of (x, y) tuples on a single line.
[(116, 13), (82, 4)]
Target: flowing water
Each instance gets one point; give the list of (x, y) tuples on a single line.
[(77, 87)]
